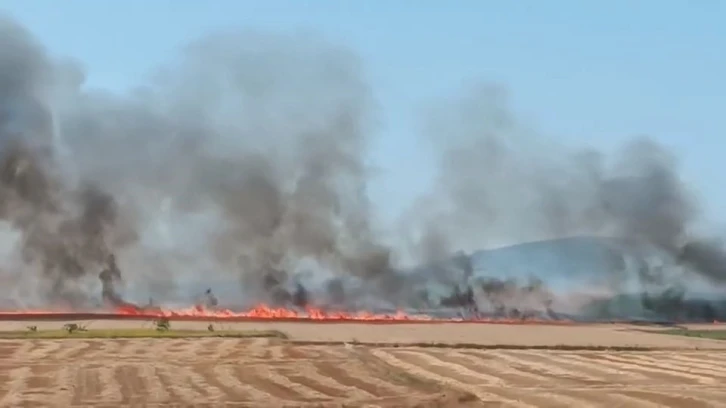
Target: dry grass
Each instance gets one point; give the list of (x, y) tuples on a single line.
[(273, 372), (537, 378), (212, 371), (478, 335)]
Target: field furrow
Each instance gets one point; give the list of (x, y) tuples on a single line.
[(211, 371), (578, 379), (277, 373)]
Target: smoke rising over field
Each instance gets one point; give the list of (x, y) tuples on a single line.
[(246, 159)]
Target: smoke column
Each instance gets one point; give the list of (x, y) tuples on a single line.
[(499, 180), (245, 160)]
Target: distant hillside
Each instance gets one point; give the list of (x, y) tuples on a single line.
[(563, 263), (570, 261), (566, 256)]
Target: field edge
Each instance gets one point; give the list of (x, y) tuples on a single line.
[(138, 334)]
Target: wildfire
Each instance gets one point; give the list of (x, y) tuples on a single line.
[(257, 313), (264, 312)]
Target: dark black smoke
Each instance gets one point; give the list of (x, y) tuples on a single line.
[(246, 158), (110, 276), (708, 257), (66, 232)]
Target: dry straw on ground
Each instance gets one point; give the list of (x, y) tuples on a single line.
[(274, 372)]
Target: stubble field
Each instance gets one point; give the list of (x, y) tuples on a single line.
[(368, 371)]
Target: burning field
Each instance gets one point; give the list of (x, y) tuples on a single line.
[(247, 163), (233, 189)]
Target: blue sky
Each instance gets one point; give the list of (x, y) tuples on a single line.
[(586, 73)]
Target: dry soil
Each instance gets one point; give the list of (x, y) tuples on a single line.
[(214, 372)]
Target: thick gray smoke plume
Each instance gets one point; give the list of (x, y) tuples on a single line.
[(499, 181), (66, 229), (246, 156), (245, 159)]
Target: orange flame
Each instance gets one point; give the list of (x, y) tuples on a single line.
[(258, 313), (269, 313), (261, 313)]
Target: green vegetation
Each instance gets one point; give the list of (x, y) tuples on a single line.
[(70, 328), (162, 325), (160, 330), (704, 334)]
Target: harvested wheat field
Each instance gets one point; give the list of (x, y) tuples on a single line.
[(274, 373)]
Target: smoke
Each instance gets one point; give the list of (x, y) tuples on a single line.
[(500, 181), (245, 159), (66, 229)]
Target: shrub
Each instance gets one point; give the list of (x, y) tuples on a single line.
[(162, 324)]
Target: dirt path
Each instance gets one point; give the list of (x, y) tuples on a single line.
[(451, 333)]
